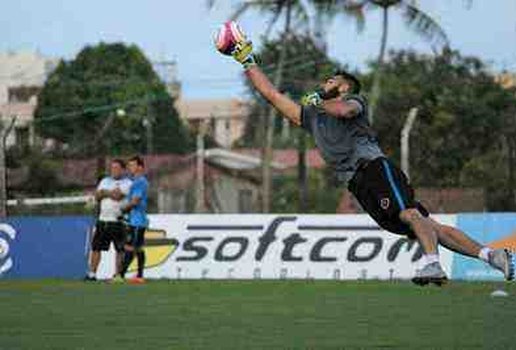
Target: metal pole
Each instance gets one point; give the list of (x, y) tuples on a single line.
[(3, 177), (4, 132), (200, 190), (405, 134)]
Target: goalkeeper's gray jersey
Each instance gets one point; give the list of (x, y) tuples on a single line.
[(343, 142)]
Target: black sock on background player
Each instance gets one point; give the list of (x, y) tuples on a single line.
[(128, 258), (140, 258)]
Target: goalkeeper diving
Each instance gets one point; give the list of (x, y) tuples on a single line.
[(336, 116)]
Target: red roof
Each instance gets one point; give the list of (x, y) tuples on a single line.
[(288, 157), (83, 172)]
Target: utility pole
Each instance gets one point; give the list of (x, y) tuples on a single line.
[(405, 134), (200, 190), (4, 132), (267, 151)]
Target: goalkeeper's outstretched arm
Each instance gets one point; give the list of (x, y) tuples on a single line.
[(286, 106), (243, 53)]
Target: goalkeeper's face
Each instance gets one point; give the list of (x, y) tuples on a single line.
[(335, 87)]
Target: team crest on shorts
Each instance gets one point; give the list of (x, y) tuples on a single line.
[(384, 203)]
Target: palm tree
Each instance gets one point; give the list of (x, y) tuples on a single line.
[(296, 15), (415, 19), (277, 9)]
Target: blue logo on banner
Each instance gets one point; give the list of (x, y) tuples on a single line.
[(44, 247), (7, 236)]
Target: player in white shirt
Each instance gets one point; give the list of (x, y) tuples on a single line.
[(111, 193)]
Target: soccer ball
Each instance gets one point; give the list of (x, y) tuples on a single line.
[(228, 35)]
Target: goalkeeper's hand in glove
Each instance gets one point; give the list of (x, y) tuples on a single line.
[(312, 98), (243, 53)]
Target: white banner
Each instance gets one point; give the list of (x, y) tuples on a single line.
[(276, 247)]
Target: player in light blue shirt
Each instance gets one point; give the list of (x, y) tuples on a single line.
[(137, 220), (138, 191)]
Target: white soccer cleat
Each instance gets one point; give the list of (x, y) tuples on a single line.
[(430, 273), (501, 259)]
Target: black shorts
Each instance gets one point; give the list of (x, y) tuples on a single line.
[(383, 191), (135, 236), (107, 232)]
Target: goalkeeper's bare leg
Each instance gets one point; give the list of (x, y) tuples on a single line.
[(457, 241)]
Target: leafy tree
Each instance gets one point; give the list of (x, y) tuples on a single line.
[(465, 131), (99, 102)]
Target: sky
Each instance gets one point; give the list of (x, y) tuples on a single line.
[(183, 31)]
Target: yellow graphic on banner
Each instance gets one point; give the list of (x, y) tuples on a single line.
[(157, 248)]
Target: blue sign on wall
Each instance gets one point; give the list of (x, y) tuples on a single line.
[(49, 247), (487, 229)]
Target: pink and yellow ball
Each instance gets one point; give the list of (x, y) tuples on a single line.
[(228, 35)]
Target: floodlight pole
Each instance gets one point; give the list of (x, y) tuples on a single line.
[(405, 134)]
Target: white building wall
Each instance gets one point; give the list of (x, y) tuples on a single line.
[(21, 69)]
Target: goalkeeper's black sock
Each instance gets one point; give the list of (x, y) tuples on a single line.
[(128, 258), (140, 258)]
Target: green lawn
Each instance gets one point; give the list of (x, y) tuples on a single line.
[(254, 315)]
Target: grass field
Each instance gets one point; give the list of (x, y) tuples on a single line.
[(254, 315)]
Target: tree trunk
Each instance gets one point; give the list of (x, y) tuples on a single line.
[(375, 90), (269, 122)]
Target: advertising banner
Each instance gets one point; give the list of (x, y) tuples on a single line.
[(250, 246), (50, 247), (337, 247)]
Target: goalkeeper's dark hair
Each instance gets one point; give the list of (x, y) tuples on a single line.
[(350, 78), (138, 160)]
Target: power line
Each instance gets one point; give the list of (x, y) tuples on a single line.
[(131, 81), (93, 109), (291, 66)]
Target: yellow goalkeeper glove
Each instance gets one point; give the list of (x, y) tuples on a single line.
[(312, 99), (243, 53)]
